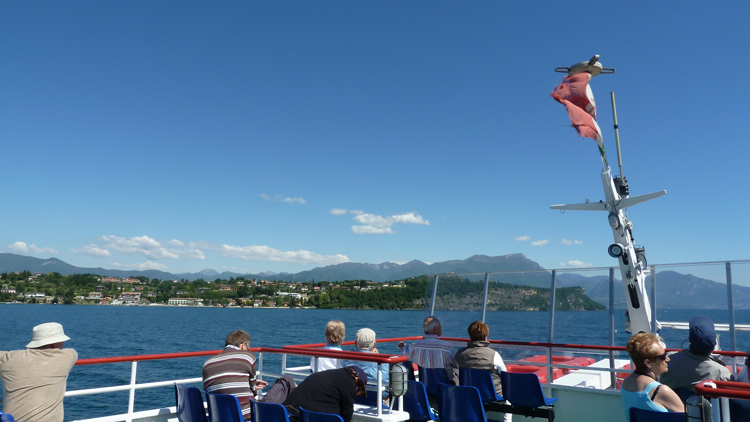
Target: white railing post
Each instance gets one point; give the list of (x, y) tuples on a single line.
[(131, 401), (379, 402)]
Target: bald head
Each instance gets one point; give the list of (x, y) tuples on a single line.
[(431, 325)]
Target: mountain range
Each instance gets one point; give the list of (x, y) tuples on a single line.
[(674, 290)]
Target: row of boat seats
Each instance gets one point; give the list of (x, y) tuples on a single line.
[(226, 408), (522, 390)]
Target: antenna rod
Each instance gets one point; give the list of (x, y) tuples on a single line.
[(617, 134)]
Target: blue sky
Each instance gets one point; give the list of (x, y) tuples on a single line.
[(283, 136)]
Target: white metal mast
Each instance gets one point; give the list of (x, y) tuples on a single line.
[(632, 260)]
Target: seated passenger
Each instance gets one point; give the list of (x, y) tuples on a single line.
[(335, 331), (479, 355), (328, 392), (640, 389), (431, 352), (742, 376), (233, 372), (695, 364), (366, 343)]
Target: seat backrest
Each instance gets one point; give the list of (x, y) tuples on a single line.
[(189, 402), (431, 377), (370, 400), (308, 416), (524, 390), (460, 404), (642, 415), (482, 380), (223, 408), (416, 403), (269, 412)]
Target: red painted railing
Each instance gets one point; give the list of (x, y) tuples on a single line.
[(728, 389)]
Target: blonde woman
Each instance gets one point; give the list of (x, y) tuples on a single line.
[(335, 331)]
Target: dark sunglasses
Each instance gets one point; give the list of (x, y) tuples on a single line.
[(662, 357)]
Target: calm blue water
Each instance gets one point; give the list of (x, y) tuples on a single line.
[(104, 331)]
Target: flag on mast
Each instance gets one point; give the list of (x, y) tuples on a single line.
[(575, 94)]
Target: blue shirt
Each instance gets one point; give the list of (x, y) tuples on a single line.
[(640, 400)]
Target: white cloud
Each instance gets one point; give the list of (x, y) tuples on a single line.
[(265, 253), (377, 224), (571, 242), (576, 263), (19, 247), (22, 248), (523, 238), (282, 198), (539, 242), (338, 211), (150, 248), (175, 242), (36, 249), (148, 265), (356, 212), (92, 250)]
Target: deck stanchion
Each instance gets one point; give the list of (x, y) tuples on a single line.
[(730, 303), (484, 302), (612, 325), (551, 329), (131, 400), (653, 299), (434, 295)]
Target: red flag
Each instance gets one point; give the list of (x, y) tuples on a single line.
[(574, 93)]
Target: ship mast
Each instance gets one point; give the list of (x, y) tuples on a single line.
[(632, 260)]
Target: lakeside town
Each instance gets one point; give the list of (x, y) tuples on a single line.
[(87, 289)]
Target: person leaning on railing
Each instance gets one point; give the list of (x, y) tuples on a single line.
[(640, 389), (34, 379)]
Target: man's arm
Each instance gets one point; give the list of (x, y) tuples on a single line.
[(498, 362)]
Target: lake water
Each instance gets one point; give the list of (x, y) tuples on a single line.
[(105, 331)]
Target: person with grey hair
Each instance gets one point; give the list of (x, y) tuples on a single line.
[(335, 331), (365, 343), (431, 352), (34, 379)]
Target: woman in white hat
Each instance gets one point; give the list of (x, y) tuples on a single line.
[(34, 379)]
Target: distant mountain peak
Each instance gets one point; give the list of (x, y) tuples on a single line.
[(209, 272)]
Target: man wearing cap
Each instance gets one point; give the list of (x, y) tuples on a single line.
[(34, 379), (331, 391), (696, 363), (365, 343)]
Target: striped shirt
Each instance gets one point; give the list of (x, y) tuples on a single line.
[(431, 352), (232, 372)]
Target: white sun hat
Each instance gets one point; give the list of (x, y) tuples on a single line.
[(47, 333)]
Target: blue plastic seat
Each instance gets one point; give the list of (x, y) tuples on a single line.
[(416, 403), (269, 412), (6, 417), (431, 377), (223, 408), (482, 380), (370, 400), (460, 404), (189, 404), (524, 390), (309, 416), (642, 415)]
